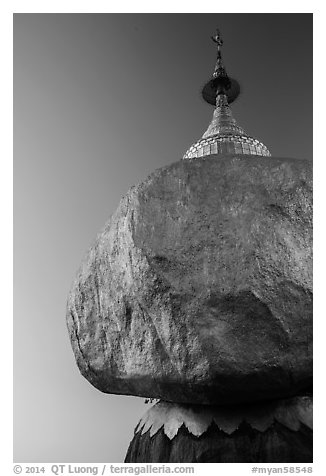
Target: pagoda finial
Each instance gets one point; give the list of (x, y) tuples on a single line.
[(220, 82), (220, 75), (217, 39), (220, 71)]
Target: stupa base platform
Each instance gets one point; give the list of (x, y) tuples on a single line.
[(269, 432)]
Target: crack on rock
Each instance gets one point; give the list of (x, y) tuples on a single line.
[(128, 316), (159, 338), (77, 340)]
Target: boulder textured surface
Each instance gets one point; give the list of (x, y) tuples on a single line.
[(199, 288)]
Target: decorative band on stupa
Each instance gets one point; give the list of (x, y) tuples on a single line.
[(223, 135)]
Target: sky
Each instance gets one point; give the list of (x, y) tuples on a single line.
[(100, 102)]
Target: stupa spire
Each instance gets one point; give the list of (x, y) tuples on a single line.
[(223, 135), (220, 73)]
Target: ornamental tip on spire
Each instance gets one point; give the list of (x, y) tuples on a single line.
[(217, 38), (220, 83), (219, 71), (223, 135), (219, 42)]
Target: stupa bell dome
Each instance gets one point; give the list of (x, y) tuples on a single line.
[(224, 135)]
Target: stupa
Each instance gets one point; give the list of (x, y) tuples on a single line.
[(224, 135), (198, 292)]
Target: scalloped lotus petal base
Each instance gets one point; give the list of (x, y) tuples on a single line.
[(270, 432)]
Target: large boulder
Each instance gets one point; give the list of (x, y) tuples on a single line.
[(199, 288)]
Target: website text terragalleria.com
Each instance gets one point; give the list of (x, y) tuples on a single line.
[(59, 469)]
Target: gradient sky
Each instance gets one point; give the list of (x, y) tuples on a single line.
[(100, 101)]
